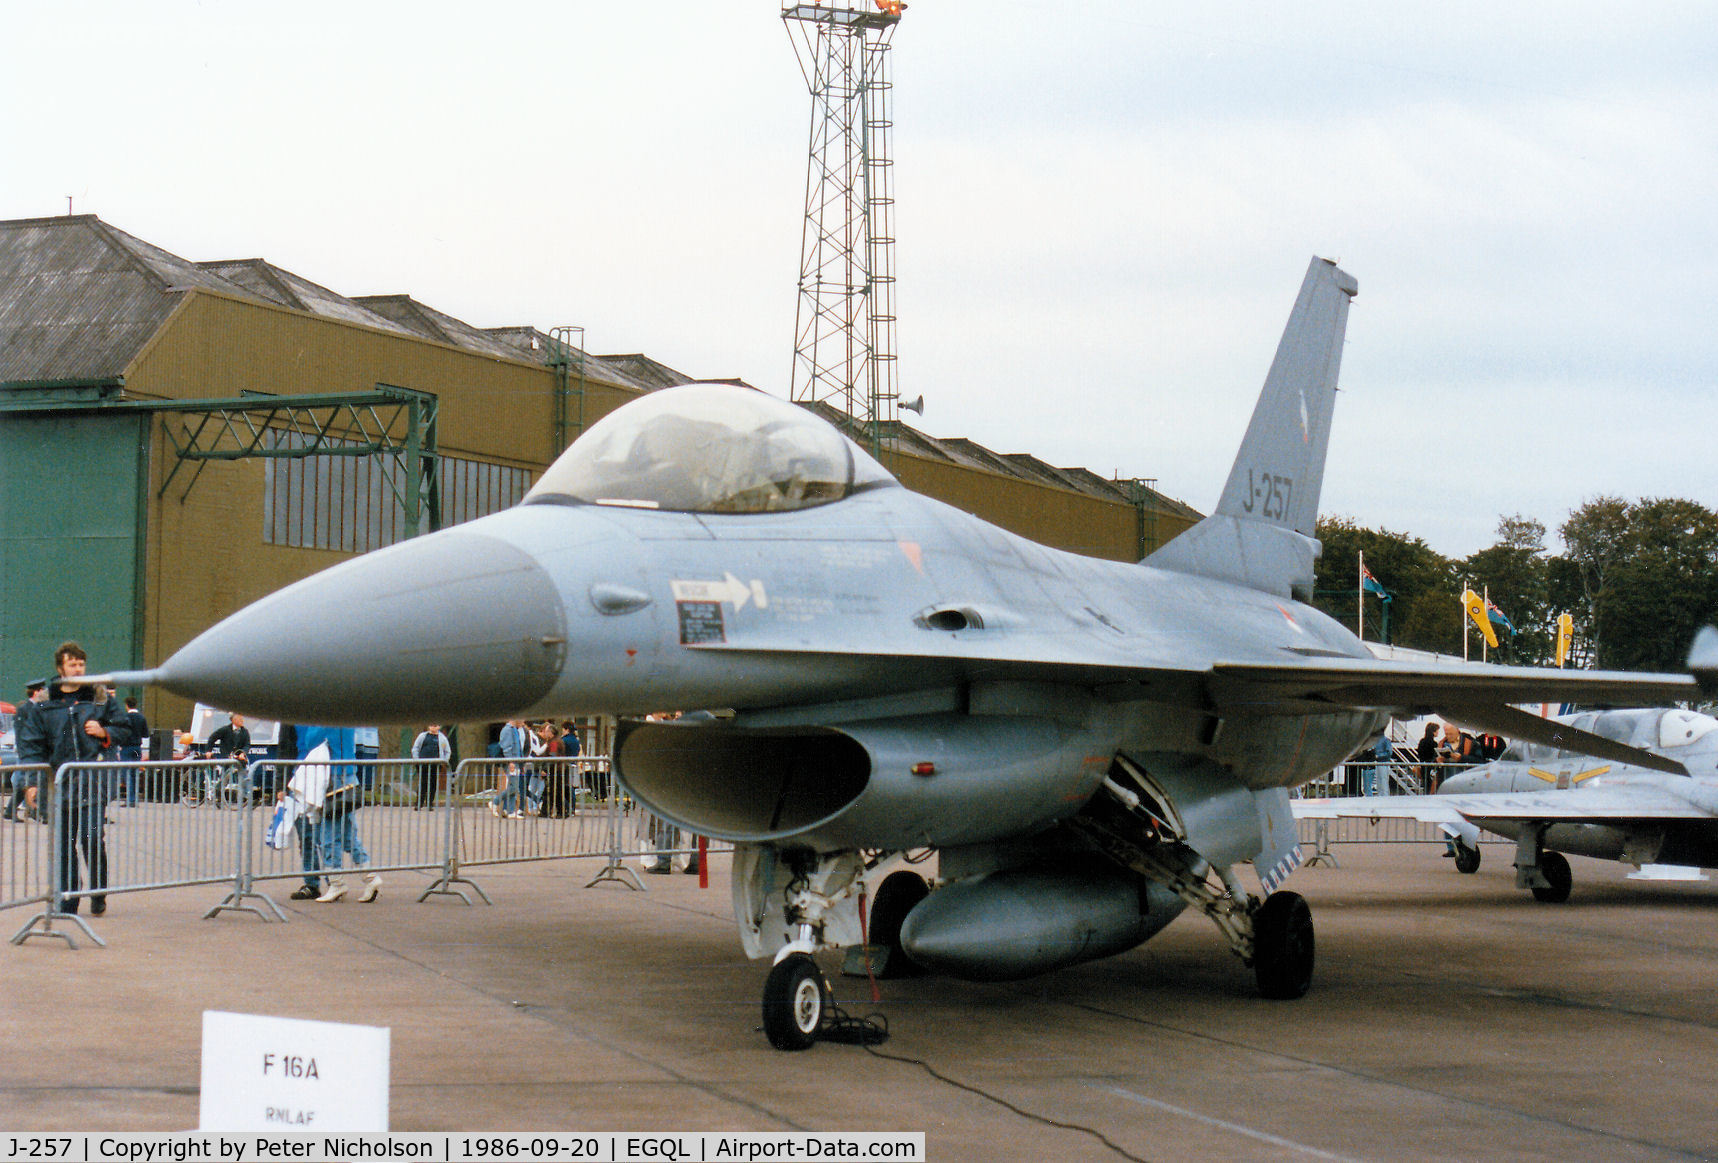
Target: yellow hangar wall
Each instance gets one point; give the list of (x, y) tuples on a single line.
[(214, 347), (1052, 516)]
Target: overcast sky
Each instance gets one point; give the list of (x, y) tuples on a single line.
[(1104, 209)]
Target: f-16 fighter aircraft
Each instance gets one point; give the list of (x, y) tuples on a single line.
[(1551, 801), (1089, 746)]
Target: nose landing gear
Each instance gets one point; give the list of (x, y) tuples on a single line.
[(796, 998)]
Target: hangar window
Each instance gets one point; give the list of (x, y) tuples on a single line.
[(710, 448), (352, 503)]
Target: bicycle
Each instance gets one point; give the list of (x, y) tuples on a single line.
[(220, 783)]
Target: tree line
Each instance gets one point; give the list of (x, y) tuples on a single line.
[(1639, 577)]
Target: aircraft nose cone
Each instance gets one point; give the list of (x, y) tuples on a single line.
[(453, 627)]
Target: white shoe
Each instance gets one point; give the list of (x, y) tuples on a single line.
[(372, 888), (493, 810), (331, 894)]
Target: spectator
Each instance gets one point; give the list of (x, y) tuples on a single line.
[(569, 786), (304, 830), (337, 834), (1459, 746), (515, 745), (367, 748), (557, 776), (1427, 753), (24, 782), (430, 745), (309, 783), (133, 752), (1382, 754), (234, 739), (70, 726), (535, 783)]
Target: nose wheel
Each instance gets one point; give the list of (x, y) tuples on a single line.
[(796, 998)]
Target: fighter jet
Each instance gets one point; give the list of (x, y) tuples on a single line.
[(1090, 747), (1550, 801)]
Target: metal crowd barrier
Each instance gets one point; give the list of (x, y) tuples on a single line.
[(398, 825), (1361, 778), (506, 811), (24, 843), (128, 827), (117, 828)]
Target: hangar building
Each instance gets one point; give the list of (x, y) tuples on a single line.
[(178, 439)]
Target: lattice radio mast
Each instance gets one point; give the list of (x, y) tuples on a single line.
[(844, 327)]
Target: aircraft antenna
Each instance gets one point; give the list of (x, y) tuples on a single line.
[(844, 326)]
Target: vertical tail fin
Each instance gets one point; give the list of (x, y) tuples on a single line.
[(1261, 533)]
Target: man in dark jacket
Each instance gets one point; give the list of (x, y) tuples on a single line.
[(71, 727), (24, 783), (133, 751)]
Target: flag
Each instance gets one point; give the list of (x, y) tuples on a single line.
[(1496, 616), (1475, 607), (1565, 637), (1369, 584)]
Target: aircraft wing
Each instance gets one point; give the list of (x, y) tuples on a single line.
[(1616, 804), (1476, 695)]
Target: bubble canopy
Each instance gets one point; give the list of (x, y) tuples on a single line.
[(709, 448)]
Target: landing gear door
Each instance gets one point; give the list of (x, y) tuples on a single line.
[(773, 897), (1279, 854)]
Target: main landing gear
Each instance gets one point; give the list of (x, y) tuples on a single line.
[(1546, 873), (1283, 946), (1273, 935), (1467, 859)]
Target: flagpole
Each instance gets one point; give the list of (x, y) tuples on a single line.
[(1360, 597), (1465, 619), (1486, 598)]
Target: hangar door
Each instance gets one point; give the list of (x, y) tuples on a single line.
[(71, 541)]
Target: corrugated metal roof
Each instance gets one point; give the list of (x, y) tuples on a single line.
[(649, 371), (79, 299), (283, 288), (533, 346), (1017, 466), (422, 319)]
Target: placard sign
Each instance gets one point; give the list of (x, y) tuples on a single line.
[(285, 1074)]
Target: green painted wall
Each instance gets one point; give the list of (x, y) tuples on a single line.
[(70, 538)]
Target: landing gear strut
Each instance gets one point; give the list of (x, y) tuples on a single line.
[(1273, 935)]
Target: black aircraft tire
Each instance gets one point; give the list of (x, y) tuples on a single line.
[(1467, 859), (795, 998), (896, 896), (1556, 870), (1283, 946)]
